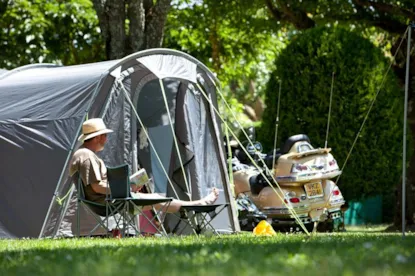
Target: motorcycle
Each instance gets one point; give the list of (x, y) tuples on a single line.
[(304, 175)]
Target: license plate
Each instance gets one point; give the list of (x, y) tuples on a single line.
[(314, 189)]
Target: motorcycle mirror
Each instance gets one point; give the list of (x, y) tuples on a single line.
[(257, 147), (251, 133)]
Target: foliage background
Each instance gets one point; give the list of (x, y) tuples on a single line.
[(305, 68), (242, 58), (63, 32)]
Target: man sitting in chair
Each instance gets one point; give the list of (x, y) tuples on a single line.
[(94, 172)]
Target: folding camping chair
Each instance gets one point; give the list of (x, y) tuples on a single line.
[(96, 210), (121, 201), (118, 202), (199, 217)]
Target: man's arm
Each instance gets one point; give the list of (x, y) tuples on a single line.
[(100, 187)]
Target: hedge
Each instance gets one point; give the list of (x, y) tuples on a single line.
[(305, 69)]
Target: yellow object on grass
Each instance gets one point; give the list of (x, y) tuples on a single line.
[(264, 229)]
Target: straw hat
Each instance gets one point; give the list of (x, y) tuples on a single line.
[(92, 128)]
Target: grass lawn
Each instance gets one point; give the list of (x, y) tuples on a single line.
[(359, 251)]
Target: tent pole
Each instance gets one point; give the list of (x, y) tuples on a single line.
[(69, 155), (408, 58)]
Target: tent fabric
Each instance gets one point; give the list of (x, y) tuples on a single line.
[(40, 113), (42, 108), (166, 66)]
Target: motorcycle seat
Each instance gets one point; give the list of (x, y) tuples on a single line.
[(292, 140), (270, 158), (242, 157)]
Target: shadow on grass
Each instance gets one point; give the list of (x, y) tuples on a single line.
[(383, 228), (367, 228), (393, 229)]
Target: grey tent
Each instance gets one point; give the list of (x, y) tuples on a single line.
[(43, 106)]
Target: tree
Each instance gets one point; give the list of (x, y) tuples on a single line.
[(70, 32), (129, 26), (391, 15), (236, 40), (48, 31)]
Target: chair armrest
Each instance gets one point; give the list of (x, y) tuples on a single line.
[(92, 202), (203, 208), (147, 201)]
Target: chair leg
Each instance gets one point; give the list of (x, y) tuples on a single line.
[(176, 227), (78, 219), (163, 210), (151, 221), (127, 217), (116, 213), (138, 224), (99, 222), (131, 222), (106, 217), (207, 221), (187, 220), (124, 217), (199, 221)]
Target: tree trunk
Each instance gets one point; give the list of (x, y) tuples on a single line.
[(215, 44), (111, 16), (155, 22), (136, 15), (146, 25), (116, 14), (282, 12), (100, 7), (3, 6)]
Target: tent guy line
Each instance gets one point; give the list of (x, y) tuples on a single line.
[(291, 210)]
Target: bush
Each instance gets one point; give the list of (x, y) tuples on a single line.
[(305, 68)]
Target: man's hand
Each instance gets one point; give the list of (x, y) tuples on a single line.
[(135, 188)]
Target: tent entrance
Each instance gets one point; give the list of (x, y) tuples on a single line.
[(185, 160)]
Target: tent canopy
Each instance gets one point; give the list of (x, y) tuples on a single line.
[(3, 71), (161, 121)]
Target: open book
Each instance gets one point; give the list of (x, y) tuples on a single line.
[(139, 178)]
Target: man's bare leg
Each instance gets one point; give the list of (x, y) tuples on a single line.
[(176, 204)]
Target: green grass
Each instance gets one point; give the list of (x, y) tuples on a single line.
[(360, 251)]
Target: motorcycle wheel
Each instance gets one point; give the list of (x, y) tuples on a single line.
[(326, 226), (295, 228)]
